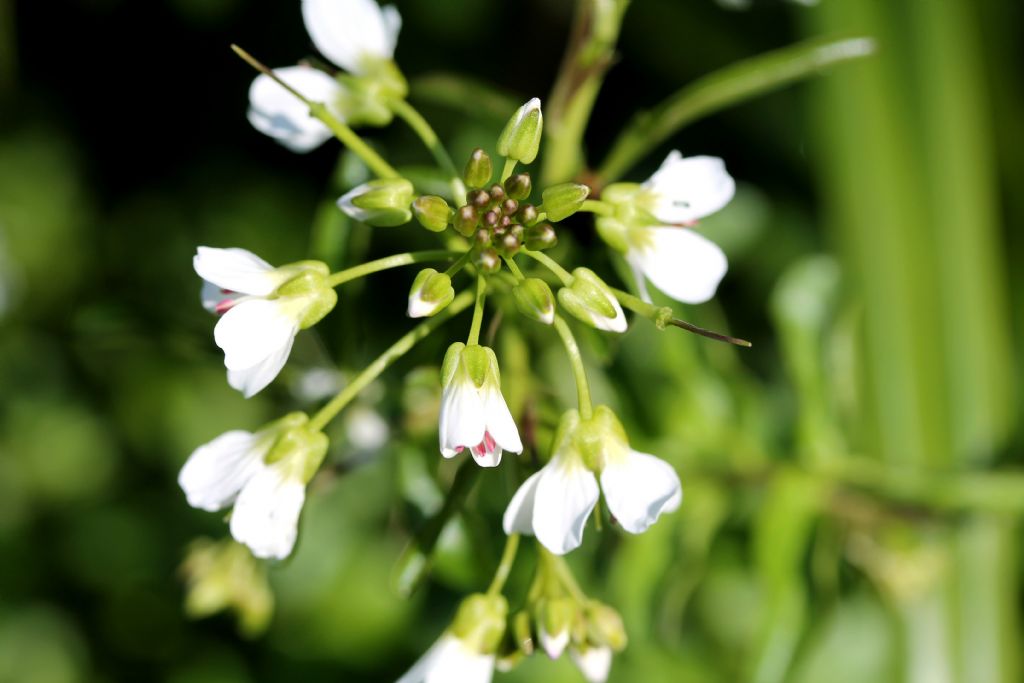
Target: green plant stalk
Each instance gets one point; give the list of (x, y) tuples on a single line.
[(507, 169), (598, 207), (318, 110), (478, 311), (662, 316), (422, 128), (723, 88), (508, 558), (394, 261), (551, 264), (383, 361), (578, 370)]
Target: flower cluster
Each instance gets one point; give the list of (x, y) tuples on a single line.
[(492, 232)]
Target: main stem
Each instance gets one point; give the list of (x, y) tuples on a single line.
[(318, 110), (478, 311), (387, 262), (426, 133), (578, 371), (508, 558), (396, 351)]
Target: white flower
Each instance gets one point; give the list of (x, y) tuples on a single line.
[(555, 644), (593, 662), (679, 261), (355, 35), (267, 498), (555, 502), (258, 323), (352, 33), (474, 414), (450, 660)]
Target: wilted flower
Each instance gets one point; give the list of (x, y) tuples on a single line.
[(262, 308), (678, 260), (474, 414), (358, 36), (555, 502), (264, 474)]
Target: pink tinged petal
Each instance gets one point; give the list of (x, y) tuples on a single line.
[(690, 189), (454, 661), (218, 300), (266, 514), (565, 496), (595, 663), (518, 517), (554, 645), (279, 114), (236, 270), (499, 421), (638, 488), (682, 263), (251, 381), (487, 453), (348, 32), (461, 423), (253, 331), (216, 471)]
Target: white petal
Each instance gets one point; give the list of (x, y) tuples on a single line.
[(689, 189), (349, 31), (487, 453), (594, 663), (253, 331), (218, 300), (565, 496), (641, 281), (461, 422), (236, 270), (392, 26), (455, 662), (418, 308), (554, 645), (616, 324), (680, 262), (518, 517), (418, 672), (638, 488), (266, 514), (276, 112), (499, 421), (351, 210), (251, 381), (216, 471)]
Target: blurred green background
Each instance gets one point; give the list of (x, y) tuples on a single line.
[(853, 483)]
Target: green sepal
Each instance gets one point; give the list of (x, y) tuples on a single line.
[(520, 139), (563, 200), (534, 300), (480, 622)]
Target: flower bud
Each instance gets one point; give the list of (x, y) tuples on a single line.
[(555, 619), (540, 237), (488, 261), (590, 300), (563, 200), (535, 300), (224, 575), (480, 622), (382, 203), (478, 169), (519, 186), (527, 214), (520, 140), (309, 284), (465, 220), (432, 212), (604, 626), (431, 292), (479, 198), (522, 633)]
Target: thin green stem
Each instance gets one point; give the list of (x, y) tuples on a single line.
[(383, 361), (506, 172), (663, 315), (579, 372), (508, 558), (387, 262), (318, 110), (598, 207), (422, 128), (459, 264), (558, 566), (552, 265), (514, 267), (478, 311)]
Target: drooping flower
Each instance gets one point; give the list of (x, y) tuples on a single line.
[(263, 475), (595, 663), (262, 308), (555, 502), (357, 35), (678, 260), (466, 651), (474, 414)]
